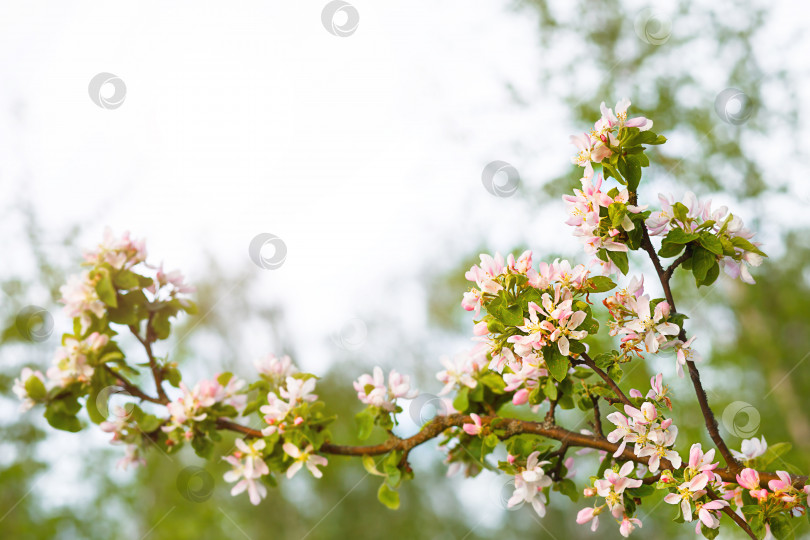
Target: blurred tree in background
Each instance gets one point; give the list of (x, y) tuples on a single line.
[(594, 52)]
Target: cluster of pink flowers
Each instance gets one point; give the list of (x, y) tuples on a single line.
[(724, 224), (552, 321), (124, 432), (120, 253), (529, 485), (81, 300), (593, 230), (611, 488), (633, 318), (372, 390), (595, 146), (191, 405), (74, 360), (697, 475), (248, 467), (279, 411), (652, 435), (275, 369), (462, 369)]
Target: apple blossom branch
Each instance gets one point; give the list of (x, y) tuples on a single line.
[(703, 400), (511, 427)]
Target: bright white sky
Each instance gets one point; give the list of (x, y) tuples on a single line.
[(364, 153)]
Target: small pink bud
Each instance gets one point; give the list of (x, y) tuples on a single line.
[(520, 397), (510, 459), (635, 393), (298, 421)]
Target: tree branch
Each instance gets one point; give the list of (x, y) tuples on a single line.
[(133, 389), (694, 375), (147, 345), (511, 428), (733, 515), (588, 361)]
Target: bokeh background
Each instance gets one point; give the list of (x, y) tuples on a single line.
[(364, 153)]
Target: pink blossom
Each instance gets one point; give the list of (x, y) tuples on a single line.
[(751, 448), (687, 492), (521, 397), (589, 514), (749, 479), (274, 368), (474, 428), (708, 513), (304, 458), (81, 300), (628, 525), (371, 389), (700, 462)]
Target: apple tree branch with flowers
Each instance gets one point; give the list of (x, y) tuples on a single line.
[(532, 331)]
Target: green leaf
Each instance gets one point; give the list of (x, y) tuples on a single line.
[(711, 243), (104, 287), (709, 533), (642, 137), (616, 212), (536, 396), (670, 249), (568, 488), (370, 466), (702, 261), (35, 388), (550, 389), (679, 236), (491, 440), (202, 445), (633, 173), (780, 527), (742, 243), (598, 284), (149, 423), (557, 363), (643, 490), (61, 414), (126, 280), (461, 402), (712, 274), (512, 315), (365, 424), (773, 452), (680, 211), (619, 258), (388, 496), (161, 324)]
